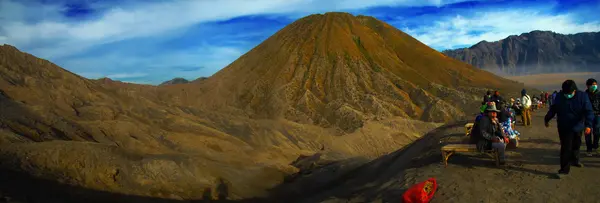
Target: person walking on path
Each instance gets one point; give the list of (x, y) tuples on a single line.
[(591, 141), (526, 108), (574, 116)]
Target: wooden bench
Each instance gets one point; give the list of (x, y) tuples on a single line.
[(450, 149), (468, 128)]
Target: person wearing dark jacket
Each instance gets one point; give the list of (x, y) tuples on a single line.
[(496, 98), (504, 113), (551, 99), (592, 91), (487, 133), (487, 97), (574, 116)]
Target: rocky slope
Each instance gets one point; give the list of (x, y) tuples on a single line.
[(175, 81), (535, 52), (123, 138), (242, 127), (339, 70)]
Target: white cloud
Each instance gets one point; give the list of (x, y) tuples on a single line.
[(492, 26), (155, 69), (43, 31), (127, 75), (146, 19)]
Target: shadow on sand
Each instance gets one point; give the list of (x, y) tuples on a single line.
[(540, 141), (24, 188), (367, 178), (345, 179), (337, 179)]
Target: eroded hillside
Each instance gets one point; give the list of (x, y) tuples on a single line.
[(351, 76)]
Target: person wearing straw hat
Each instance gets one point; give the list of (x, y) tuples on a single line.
[(489, 134)]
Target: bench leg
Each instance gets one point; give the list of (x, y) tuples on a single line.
[(445, 156)]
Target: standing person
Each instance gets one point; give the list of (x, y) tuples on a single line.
[(591, 142), (487, 97), (526, 108), (496, 98), (574, 116), (511, 105), (552, 97), (547, 98), (517, 107), (542, 100)]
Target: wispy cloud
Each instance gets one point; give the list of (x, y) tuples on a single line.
[(153, 41), (147, 19), (188, 68), (140, 68), (127, 75), (466, 30)]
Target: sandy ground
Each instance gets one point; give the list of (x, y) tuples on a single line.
[(528, 176), (553, 81)]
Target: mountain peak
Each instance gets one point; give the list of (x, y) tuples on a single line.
[(177, 80), (8, 47), (535, 52), (338, 69)]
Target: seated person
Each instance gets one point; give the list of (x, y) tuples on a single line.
[(481, 111), (487, 133), (534, 104), (517, 107), (506, 119), (482, 107)]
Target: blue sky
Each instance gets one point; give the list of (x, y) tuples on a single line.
[(153, 41)]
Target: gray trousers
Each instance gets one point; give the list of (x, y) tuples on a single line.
[(501, 147)]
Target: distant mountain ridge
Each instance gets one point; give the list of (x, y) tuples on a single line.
[(175, 81), (534, 52)]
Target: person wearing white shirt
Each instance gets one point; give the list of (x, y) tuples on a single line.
[(526, 111)]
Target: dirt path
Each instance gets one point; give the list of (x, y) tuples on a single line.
[(527, 178)]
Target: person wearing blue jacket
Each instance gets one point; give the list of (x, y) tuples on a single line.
[(574, 115)]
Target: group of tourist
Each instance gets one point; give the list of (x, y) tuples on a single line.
[(577, 113)]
